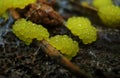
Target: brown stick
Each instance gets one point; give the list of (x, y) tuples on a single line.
[(14, 13), (55, 54), (87, 10)]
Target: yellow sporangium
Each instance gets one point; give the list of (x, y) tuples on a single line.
[(101, 3), (5, 4), (110, 15), (27, 31), (65, 44), (81, 27)]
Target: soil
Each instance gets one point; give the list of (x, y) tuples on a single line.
[(101, 58)]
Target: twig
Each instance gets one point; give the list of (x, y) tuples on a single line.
[(14, 13), (86, 10), (55, 54)]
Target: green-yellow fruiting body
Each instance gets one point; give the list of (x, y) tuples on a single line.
[(27, 31), (81, 27), (5, 4), (101, 3), (110, 15), (65, 44)]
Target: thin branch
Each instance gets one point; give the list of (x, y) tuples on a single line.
[(55, 54)]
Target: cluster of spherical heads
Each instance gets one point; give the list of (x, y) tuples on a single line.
[(81, 27), (27, 31), (65, 44), (6, 4), (108, 12)]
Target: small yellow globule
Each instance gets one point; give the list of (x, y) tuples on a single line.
[(27, 31), (65, 44), (81, 27), (5, 4), (101, 3)]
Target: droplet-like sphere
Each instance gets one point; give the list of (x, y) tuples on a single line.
[(81, 27), (65, 44), (5, 4), (27, 31)]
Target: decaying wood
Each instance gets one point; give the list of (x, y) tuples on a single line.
[(43, 14), (14, 13)]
